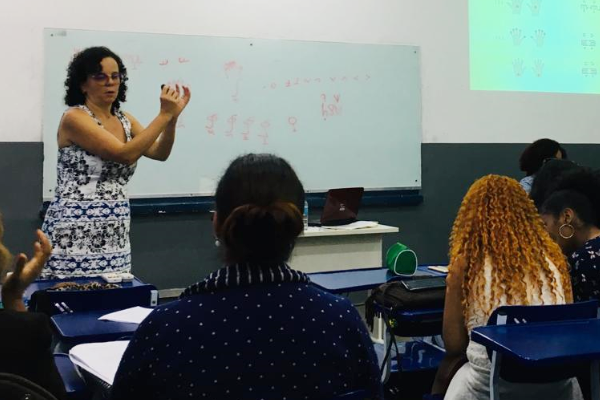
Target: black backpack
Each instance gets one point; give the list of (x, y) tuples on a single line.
[(394, 297)]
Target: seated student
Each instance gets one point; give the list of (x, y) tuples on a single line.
[(254, 329), (500, 254), (25, 337), (571, 213), (547, 177), (533, 158)]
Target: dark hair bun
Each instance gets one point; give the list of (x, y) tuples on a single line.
[(583, 180), (264, 234), (578, 189)]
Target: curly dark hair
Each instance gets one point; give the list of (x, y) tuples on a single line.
[(547, 178), (86, 63), (578, 189), (534, 155)]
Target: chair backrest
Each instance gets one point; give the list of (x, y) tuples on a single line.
[(512, 370), (508, 315), (18, 388)]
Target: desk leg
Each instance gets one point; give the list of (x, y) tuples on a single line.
[(495, 376), (386, 339), (379, 335), (595, 380)]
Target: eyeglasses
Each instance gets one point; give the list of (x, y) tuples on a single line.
[(103, 78)]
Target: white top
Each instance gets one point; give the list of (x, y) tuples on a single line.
[(477, 353), (471, 382)]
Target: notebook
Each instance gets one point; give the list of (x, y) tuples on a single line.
[(100, 359), (341, 206), (133, 315)]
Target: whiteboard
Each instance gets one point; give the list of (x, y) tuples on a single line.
[(342, 114)]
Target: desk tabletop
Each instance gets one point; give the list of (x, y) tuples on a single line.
[(361, 279), (46, 284), (81, 327), (314, 231), (540, 344)]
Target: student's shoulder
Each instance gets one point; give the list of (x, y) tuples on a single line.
[(23, 317), (322, 297), (194, 304), (28, 327)]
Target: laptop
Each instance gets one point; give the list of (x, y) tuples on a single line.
[(341, 206)]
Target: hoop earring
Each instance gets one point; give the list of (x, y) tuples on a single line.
[(560, 232)]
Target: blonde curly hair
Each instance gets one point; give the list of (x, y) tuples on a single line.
[(498, 223)]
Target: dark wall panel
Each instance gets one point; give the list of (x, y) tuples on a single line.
[(177, 250)]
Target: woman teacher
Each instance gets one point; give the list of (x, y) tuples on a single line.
[(98, 147)]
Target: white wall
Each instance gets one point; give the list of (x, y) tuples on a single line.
[(451, 112)]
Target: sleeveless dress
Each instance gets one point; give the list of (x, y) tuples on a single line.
[(87, 222), (472, 380)]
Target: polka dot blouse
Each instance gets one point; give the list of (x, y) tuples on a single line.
[(250, 332)]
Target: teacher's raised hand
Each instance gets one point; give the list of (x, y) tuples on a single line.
[(173, 100)]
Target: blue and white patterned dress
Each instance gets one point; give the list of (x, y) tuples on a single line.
[(88, 220)]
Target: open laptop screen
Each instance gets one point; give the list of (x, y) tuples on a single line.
[(341, 206)]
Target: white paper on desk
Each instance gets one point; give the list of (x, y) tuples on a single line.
[(99, 359), (354, 225), (310, 229), (133, 315)]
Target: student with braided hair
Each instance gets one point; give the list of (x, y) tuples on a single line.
[(500, 254)]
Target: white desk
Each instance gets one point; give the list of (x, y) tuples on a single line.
[(322, 250)]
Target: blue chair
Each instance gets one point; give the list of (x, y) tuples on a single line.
[(512, 370), (410, 323), (75, 386)]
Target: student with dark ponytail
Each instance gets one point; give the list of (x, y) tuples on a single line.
[(254, 329), (571, 213)]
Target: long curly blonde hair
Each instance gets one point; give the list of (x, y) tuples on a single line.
[(498, 222)]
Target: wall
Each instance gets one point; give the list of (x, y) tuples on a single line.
[(465, 134), (176, 250), (451, 112)]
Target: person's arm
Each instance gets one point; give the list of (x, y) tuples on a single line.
[(26, 271), (77, 127), (456, 337), (161, 148)]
